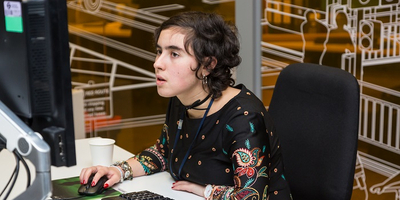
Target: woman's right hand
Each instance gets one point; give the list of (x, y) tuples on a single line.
[(113, 175)]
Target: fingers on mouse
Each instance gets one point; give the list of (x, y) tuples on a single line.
[(93, 189)]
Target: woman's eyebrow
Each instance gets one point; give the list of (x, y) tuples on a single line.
[(173, 47)]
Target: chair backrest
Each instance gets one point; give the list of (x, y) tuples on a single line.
[(316, 113)]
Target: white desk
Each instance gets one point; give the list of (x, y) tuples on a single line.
[(159, 183)]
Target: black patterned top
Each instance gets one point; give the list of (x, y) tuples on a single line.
[(237, 150)]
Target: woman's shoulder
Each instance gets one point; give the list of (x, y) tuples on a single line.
[(237, 100), (245, 106), (248, 100)]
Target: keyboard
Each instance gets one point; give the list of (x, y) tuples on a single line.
[(140, 195)]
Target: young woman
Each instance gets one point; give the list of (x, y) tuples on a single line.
[(218, 140)]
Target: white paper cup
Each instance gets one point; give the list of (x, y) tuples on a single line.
[(102, 150)]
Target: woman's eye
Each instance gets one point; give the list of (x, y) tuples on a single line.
[(174, 54), (158, 52)]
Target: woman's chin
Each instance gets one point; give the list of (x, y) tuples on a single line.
[(163, 93)]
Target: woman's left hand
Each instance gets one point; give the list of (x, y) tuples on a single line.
[(189, 187)]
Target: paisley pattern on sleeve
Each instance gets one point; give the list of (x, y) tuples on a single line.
[(237, 150), (251, 157), (154, 159)]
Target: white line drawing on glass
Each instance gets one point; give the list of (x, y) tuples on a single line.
[(163, 8), (216, 1), (92, 6), (99, 95), (99, 107), (391, 184), (314, 27), (379, 44), (359, 177), (373, 33), (388, 186), (347, 43), (129, 14)]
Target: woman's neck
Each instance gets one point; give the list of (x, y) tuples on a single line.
[(218, 104), (197, 105), (199, 111), (227, 95)]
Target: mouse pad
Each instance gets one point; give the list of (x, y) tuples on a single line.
[(68, 188)]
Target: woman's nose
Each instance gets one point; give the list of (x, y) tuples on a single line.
[(158, 62)]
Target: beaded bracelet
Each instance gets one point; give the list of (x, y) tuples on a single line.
[(120, 171), (127, 170)]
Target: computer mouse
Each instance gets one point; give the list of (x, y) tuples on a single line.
[(87, 189)]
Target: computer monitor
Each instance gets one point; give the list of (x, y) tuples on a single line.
[(35, 76)]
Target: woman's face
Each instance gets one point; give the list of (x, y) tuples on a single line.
[(174, 67)]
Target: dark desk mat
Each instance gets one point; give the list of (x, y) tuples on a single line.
[(68, 189)]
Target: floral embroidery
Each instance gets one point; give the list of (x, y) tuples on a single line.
[(247, 161), (243, 157), (247, 143), (222, 192), (265, 193), (247, 158), (147, 162), (229, 128), (263, 172), (252, 129), (246, 193), (165, 128), (223, 151)]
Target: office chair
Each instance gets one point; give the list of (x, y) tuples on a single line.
[(315, 109)]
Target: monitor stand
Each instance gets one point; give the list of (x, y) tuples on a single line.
[(18, 138)]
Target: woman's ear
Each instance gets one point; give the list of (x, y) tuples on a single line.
[(212, 61)]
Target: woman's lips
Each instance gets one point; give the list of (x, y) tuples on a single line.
[(160, 80)]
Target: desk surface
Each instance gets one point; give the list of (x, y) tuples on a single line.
[(159, 183)]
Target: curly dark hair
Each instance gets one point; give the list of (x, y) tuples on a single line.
[(210, 37)]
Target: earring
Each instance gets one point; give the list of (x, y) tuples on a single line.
[(204, 79)]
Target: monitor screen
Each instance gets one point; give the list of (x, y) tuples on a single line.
[(35, 76)]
